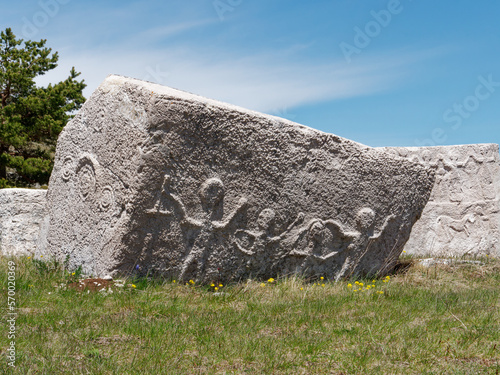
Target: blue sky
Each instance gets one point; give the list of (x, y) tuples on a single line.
[(383, 73)]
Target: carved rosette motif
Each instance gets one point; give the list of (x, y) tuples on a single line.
[(86, 178)]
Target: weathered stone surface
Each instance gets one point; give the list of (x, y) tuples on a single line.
[(463, 213), (21, 214), (150, 178), (433, 262)]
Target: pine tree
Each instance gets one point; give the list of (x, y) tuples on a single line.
[(31, 117)]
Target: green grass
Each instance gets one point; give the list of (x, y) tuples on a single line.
[(442, 320)]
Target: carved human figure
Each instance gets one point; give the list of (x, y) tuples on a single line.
[(442, 185), (327, 239), (320, 236), (315, 236), (415, 158), (480, 181), (490, 155), (427, 158), (489, 188), (454, 180), (164, 199), (256, 244), (361, 240), (403, 152), (209, 228), (483, 224)]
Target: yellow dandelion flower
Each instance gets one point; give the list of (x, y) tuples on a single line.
[(216, 288), (388, 277), (29, 257), (373, 281), (212, 285), (133, 286), (220, 285), (360, 284), (301, 288), (191, 281), (41, 256), (262, 284), (174, 281), (73, 274), (322, 278), (323, 285), (349, 285), (271, 280), (357, 283)]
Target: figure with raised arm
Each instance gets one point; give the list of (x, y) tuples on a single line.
[(361, 240), (212, 223), (320, 236), (164, 196), (261, 242)]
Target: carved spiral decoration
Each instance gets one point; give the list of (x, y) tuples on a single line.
[(107, 198), (67, 169), (86, 179)]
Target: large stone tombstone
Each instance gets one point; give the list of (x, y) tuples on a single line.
[(153, 179), (463, 213)]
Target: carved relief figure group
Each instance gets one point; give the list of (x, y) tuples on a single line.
[(465, 185), (449, 186), (316, 241)]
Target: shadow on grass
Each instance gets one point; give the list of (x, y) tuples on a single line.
[(402, 266)]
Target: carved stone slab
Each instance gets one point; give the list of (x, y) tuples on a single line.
[(463, 213), (21, 214), (153, 179)]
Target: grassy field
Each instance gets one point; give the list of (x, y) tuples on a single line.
[(438, 320)]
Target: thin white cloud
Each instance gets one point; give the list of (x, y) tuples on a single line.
[(164, 32), (264, 82), (164, 53)]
